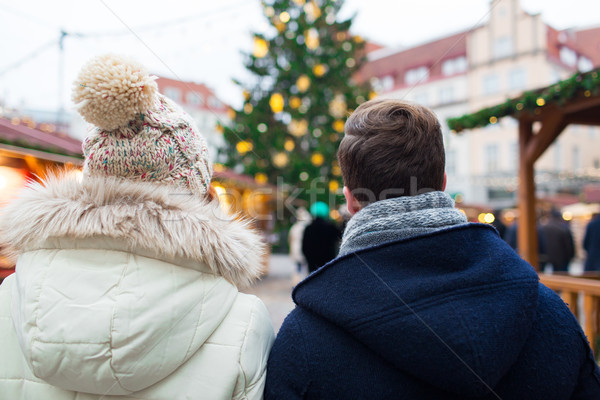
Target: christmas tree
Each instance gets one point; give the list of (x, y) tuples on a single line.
[(294, 110)]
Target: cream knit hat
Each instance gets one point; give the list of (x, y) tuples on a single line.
[(140, 134)]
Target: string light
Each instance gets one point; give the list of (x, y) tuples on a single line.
[(540, 101)]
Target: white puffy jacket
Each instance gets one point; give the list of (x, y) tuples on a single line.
[(127, 289)]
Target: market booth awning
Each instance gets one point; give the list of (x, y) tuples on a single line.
[(575, 100)]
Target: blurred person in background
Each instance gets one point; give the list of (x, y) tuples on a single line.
[(321, 238), (295, 242), (591, 244), (558, 241)]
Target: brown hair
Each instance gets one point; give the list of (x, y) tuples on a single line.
[(391, 148)]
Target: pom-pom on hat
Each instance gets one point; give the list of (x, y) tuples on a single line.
[(140, 134)]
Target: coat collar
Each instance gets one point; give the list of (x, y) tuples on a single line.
[(145, 217)]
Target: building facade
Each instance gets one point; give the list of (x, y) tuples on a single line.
[(513, 51)]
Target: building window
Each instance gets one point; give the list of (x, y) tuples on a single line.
[(446, 94), (173, 93), (503, 47), (194, 98), (387, 83), (568, 56), (491, 157), (491, 84), (454, 66), (517, 79), (416, 75), (585, 64), (213, 102)]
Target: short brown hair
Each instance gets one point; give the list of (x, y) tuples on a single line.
[(391, 148)]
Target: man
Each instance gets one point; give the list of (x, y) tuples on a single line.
[(320, 239), (558, 239), (419, 303), (591, 244)]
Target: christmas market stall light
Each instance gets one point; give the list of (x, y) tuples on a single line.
[(530, 102)]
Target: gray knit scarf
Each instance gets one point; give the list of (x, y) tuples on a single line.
[(399, 218)]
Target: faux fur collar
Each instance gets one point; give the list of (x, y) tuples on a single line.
[(145, 216)]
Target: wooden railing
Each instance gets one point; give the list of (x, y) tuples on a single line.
[(570, 288)]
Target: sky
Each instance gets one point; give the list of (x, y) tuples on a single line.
[(203, 41)]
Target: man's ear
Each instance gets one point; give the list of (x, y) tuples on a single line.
[(354, 205), (445, 179)]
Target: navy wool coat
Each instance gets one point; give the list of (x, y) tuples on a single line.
[(455, 314)]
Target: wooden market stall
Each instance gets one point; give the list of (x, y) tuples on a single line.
[(27, 152), (573, 101)]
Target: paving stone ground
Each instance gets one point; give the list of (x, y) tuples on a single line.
[(275, 289)]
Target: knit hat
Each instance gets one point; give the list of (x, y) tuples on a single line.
[(319, 210), (140, 134)]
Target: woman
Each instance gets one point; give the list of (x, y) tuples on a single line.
[(126, 281)]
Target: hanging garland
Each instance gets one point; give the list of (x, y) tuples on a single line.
[(586, 84)]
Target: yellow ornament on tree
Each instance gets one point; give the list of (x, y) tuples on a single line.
[(261, 47), (317, 159), (319, 70), (244, 146), (298, 127), (303, 83), (280, 160), (311, 38), (295, 102), (284, 17), (312, 10), (334, 186), (338, 107), (289, 145), (338, 125), (230, 113), (276, 102), (248, 108), (261, 178), (336, 170)]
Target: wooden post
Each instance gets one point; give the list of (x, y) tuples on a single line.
[(570, 297), (590, 309), (527, 232)]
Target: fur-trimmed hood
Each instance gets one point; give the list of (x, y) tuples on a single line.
[(142, 217)]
